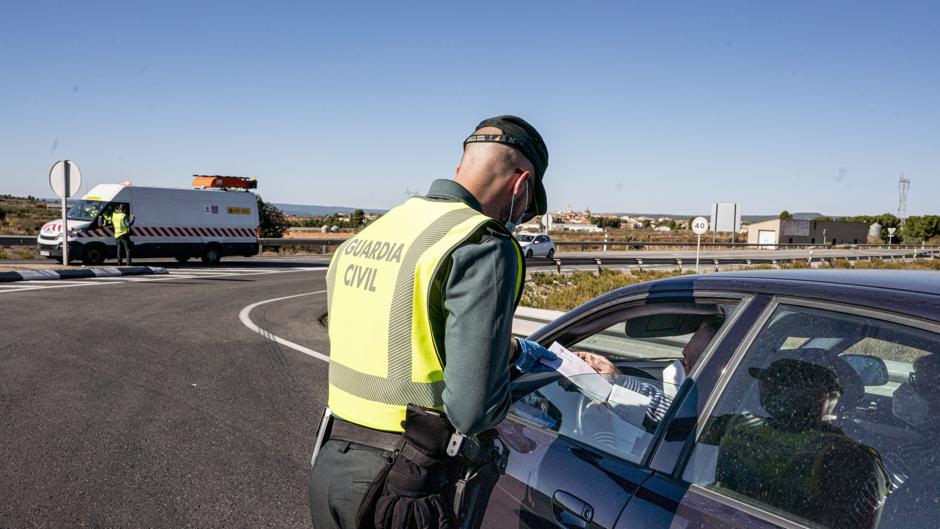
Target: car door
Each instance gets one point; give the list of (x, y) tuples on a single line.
[(541, 247), (755, 459), (573, 461)]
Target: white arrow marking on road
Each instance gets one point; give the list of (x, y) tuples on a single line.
[(246, 320)]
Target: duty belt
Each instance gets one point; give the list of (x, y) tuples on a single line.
[(353, 433)]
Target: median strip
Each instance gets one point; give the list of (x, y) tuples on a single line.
[(81, 273)]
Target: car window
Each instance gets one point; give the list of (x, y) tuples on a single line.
[(524, 238), (656, 336), (615, 413), (829, 420)]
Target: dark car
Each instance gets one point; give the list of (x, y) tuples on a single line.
[(812, 400)]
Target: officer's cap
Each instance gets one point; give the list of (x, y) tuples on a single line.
[(520, 135)]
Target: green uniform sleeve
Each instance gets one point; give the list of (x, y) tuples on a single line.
[(478, 305)]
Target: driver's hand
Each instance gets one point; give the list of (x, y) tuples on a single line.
[(598, 363)]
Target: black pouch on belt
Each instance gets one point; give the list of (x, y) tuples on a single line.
[(415, 489), (483, 460)]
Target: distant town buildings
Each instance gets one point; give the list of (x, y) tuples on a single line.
[(570, 219)]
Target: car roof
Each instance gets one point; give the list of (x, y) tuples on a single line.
[(911, 292), (918, 281)]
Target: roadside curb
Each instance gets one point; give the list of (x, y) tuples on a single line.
[(82, 273)]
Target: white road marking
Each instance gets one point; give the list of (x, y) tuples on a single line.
[(245, 318), (24, 288), (40, 281)]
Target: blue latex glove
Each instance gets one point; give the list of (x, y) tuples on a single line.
[(530, 356)]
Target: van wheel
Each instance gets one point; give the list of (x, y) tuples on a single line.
[(212, 254), (182, 258), (93, 254)]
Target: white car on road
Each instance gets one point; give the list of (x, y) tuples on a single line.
[(534, 245)]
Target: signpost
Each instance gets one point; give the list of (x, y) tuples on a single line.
[(890, 235), (66, 180), (699, 228)]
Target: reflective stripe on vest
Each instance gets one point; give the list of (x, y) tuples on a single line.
[(383, 355)]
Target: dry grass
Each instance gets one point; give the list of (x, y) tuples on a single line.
[(567, 291), (17, 252), (546, 290), (25, 252), (22, 216), (879, 264)]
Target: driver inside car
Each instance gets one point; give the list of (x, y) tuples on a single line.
[(633, 398)]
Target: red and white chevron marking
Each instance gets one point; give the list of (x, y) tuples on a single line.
[(155, 231)]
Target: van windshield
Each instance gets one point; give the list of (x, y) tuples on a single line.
[(85, 209)]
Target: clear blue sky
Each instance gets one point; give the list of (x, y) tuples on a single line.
[(645, 106)]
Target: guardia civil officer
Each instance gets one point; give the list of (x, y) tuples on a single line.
[(420, 311), (121, 223)]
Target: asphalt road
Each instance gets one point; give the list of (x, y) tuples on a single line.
[(146, 402)]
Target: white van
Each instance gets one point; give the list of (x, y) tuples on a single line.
[(180, 223)]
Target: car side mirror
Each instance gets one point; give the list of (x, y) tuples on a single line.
[(871, 369)]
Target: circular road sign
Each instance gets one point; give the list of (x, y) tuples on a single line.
[(58, 181), (699, 225)]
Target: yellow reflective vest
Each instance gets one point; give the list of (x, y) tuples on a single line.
[(119, 220), (383, 351)]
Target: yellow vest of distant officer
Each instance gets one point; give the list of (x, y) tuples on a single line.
[(119, 220), (383, 354)]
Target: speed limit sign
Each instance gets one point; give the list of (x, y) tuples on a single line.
[(699, 225)]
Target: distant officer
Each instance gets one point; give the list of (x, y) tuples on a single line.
[(121, 222), (420, 311)]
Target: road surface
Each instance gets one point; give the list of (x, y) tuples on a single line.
[(147, 402)]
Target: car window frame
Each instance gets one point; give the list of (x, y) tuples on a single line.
[(742, 299), (734, 364)]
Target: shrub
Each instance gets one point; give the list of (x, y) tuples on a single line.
[(272, 221)]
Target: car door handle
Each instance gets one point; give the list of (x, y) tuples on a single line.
[(570, 511)]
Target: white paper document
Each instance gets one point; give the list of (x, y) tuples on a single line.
[(579, 372)]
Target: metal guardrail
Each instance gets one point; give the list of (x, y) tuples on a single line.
[(732, 245), (15, 240), (279, 242), (683, 263), (6, 240), (912, 251)]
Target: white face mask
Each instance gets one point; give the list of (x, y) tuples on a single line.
[(510, 224), (908, 406)]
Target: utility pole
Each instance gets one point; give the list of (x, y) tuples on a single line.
[(904, 185)]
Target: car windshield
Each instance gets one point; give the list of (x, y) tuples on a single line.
[(525, 238), (85, 209)]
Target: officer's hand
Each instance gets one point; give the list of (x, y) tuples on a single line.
[(531, 355)]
